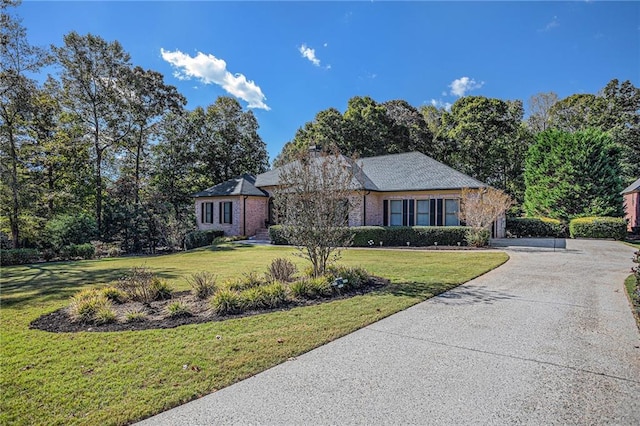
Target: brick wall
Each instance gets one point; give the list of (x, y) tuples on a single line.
[(632, 209)]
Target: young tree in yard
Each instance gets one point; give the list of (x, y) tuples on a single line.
[(479, 209), (313, 202)]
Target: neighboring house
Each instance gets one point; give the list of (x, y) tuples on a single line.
[(409, 189), (631, 196)]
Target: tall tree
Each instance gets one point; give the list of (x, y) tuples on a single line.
[(409, 130), (18, 58), (490, 140), (540, 106), (368, 128), (96, 77), (573, 174), (227, 142)]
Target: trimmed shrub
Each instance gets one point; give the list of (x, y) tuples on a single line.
[(598, 227), (276, 236), (227, 302), (281, 270), (196, 239), (526, 227), (477, 237), (300, 289), (18, 256), (417, 236), (203, 284), (265, 297), (178, 309)]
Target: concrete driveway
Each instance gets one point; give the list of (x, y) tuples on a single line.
[(548, 338)]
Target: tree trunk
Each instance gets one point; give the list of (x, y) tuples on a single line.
[(99, 188), (13, 219)]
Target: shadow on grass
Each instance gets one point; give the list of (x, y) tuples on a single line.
[(416, 289), (48, 282)]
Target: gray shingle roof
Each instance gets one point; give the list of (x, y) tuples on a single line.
[(410, 171), (413, 171), (241, 185), (634, 187)]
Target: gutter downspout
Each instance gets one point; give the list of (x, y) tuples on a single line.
[(244, 215), (364, 208)]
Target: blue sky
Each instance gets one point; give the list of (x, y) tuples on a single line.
[(289, 60)]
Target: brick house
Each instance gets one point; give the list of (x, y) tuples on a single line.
[(631, 195), (408, 189)]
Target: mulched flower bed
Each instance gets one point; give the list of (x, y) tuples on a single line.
[(157, 317)]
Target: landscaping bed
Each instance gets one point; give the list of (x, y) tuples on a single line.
[(60, 321)]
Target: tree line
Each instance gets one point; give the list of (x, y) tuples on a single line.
[(106, 145), (568, 157), (109, 147)]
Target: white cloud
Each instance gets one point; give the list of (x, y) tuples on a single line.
[(310, 54), (550, 25), (463, 85), (211, 70), (438, 103), (326, 45)]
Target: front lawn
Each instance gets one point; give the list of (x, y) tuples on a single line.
[(120, 377)]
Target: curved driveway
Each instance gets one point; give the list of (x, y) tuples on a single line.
[(548, 338)]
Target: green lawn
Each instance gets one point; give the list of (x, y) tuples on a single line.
[(120, 377)]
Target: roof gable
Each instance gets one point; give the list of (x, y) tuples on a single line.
[(634, 187)]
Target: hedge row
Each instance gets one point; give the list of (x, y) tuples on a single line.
[(18, 256), (527, 227), (196, 239), (419, 236), (598, 227)]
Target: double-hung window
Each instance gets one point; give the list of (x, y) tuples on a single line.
[(206, 213), (396, 212), (226, 215), (451, 208), (423, 213)]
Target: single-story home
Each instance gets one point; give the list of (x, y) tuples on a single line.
[(408, 189), (631, 195)]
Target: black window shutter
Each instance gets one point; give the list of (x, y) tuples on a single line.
[(385, 213), (220, 218), (230, 212), (440, 211), (404, 212), (412, 212), (432, 212)]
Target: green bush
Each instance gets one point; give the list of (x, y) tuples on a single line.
[(74, 251), (524, 227), (477, 237), (18, 256), (196, 239), (356, 277), (276, 236), (227, 302), (248, 280), (135, 316), (65, 230), (312, 288), (264, 297), (394, 236), (417, 236), (598, 227)]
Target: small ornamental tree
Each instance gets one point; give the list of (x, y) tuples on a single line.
[(312, 204), (479, 209)]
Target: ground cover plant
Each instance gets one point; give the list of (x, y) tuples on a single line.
[(120, 377)]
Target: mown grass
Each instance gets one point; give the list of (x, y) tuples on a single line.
[(120, 377), (634, 244), (634, 299)]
